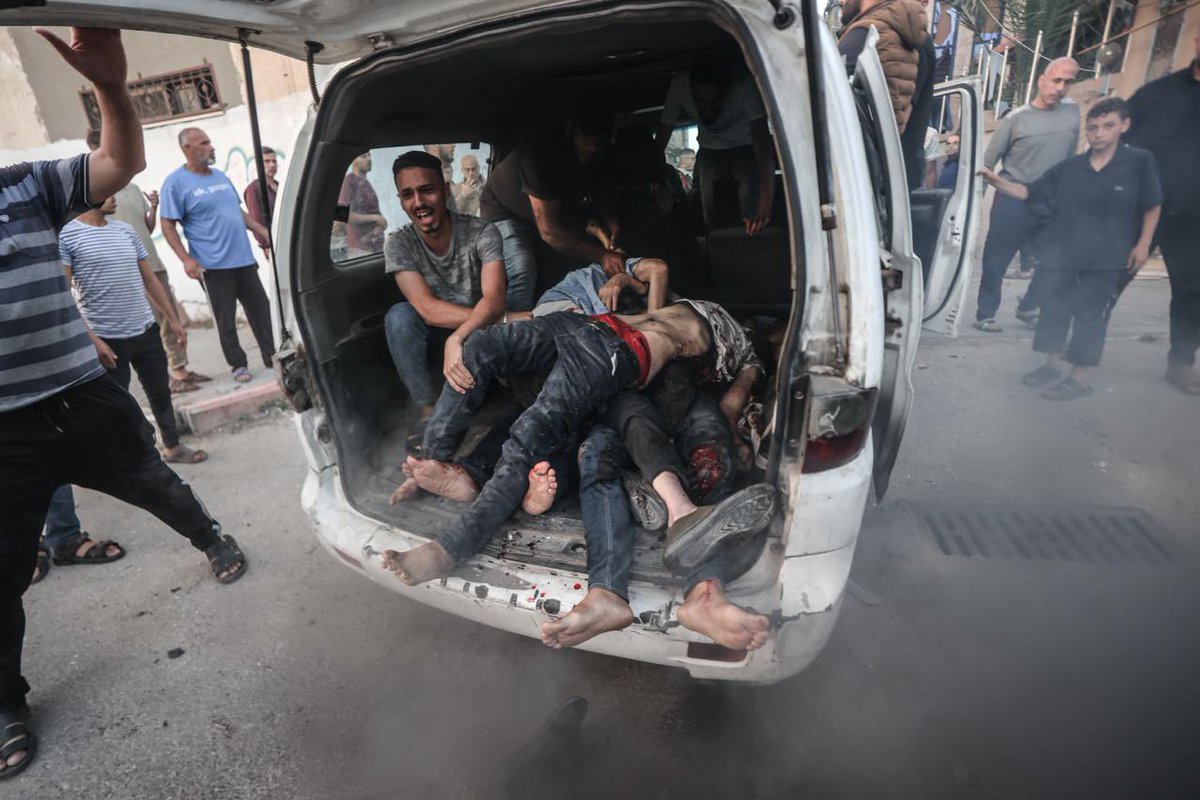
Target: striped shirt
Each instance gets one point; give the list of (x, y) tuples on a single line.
[(44, 347), (104, 266)]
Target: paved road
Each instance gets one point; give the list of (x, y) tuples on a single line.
[(946, 677)]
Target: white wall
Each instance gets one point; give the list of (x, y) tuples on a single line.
[(279, 121)]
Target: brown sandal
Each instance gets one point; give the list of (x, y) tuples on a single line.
[(185, 455), (182, 386)]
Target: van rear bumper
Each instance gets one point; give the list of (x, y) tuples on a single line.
[(520, 598)]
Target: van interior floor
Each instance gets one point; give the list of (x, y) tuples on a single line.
[(554, 540)]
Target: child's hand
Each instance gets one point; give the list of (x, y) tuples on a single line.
[(1138, 256)]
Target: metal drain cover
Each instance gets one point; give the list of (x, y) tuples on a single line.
[(1090, 535)]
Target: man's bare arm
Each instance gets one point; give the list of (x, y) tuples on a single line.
[(171, 235), (764, 156), (486, 311), (97, 55), (254, 226), (435, 311), (548, 215), (654, 273)]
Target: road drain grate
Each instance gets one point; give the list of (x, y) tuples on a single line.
[(1093, 535)]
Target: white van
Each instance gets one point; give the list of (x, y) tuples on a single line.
[(851, 279)]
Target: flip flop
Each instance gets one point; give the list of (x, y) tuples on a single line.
[(185, 455), (1043, 375), (14, 737), (182, 386), (987, 326), (196, 377), (242, 375), (691, 540), (1068, 389)]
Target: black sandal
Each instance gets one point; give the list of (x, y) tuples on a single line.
[(15, 736), (41, 567), (223, 555), (96, 554), (1041, 376), (1067, 389)]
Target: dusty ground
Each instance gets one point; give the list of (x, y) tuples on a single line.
[(946, 676)]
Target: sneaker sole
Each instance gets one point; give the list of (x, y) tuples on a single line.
[(648, 509), (742, 515)]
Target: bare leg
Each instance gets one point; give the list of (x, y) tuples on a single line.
[(421, 564), (409, 488), (1079, 374), (445, 480), (598, 612), (706, 610), (673, 494), (543, 486)]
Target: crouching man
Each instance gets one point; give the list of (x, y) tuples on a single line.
[(451, 270)]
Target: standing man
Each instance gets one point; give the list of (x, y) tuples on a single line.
[(1103, 207), (543, 188), (253, 198), (466, 194), (450, 268), (62, 418), (902, 35), (365, 226), (139, 210), (218, 253), (106, 262), (1166, 121), (1029, 141), (734, 139)]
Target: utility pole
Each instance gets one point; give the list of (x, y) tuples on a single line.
[(1037, 53)]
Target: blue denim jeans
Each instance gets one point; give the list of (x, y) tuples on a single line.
[(408, 342), (62, 524), (588, 364), (520, 263)]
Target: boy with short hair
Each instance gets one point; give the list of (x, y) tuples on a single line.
[(1102, 207)]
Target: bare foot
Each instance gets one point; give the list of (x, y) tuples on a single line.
[(424, 563), (598, 612), (706, 610), (405, 491), (445, 480), (543, 486)]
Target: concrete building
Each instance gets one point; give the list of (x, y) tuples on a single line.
[(177, 81)]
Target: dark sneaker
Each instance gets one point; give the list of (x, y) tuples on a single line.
[(649, 511), (691, 540)]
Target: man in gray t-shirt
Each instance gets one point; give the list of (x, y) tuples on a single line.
[(451, 270), (1029, 141)]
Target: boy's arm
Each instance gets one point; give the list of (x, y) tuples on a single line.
[(159, 297), (1141, 250), (1003, 185), (108, 359), (654, 273)]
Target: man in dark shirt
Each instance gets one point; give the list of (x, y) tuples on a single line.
[(365, 225), (253, 198), (1166, 121), (543, 188), (1102, 208)]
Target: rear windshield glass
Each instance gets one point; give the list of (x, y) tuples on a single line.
[(368, 207)]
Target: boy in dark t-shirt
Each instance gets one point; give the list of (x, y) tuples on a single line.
[(1102, 208)]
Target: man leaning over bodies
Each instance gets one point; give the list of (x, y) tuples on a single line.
[(450, 268)]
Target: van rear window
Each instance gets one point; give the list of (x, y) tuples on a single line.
[(368, 207)]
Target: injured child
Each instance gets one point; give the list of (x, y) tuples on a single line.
[(590, 361)]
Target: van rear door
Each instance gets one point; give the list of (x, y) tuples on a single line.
[(958, 108), (900, 269)]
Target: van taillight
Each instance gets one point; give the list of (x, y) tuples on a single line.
[(839, 419)]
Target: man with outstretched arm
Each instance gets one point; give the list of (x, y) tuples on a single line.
[(1102, 207), (62, 419)]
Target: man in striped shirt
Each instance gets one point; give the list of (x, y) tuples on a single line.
[(108, 264), (62, 418)]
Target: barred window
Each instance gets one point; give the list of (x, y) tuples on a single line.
[(176, 95)]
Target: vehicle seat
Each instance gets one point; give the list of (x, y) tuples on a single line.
[(928, 207), (751, 274)]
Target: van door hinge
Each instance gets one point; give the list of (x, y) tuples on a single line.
[(291, 371), (380, 41)]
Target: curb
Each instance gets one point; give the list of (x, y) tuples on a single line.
[(208, 415)]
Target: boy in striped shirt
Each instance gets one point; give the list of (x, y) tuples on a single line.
[(107, 263)]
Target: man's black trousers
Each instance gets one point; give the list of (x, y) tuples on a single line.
[(1012, 226), (226, 288), (1179, 238), (146, 355), (1074, 301), (92, 435)]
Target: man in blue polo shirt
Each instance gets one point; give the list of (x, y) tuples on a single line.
[(218, 253), (1101, 208), (62, 418)]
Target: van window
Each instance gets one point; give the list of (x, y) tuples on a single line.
[(368, 207)]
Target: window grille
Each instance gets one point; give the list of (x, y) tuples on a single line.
[(176, 95)]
